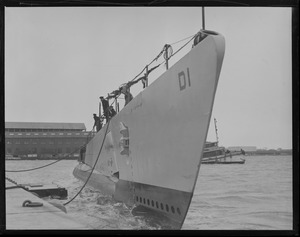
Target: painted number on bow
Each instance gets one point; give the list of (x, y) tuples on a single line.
[(182, 79)]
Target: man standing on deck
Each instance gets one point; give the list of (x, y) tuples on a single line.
[(105, 106), (112, 112), (97, 123), (128, 95)]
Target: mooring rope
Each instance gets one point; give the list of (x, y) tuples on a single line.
[(64, 204), (14, 182), (60, 159), (92, 168)]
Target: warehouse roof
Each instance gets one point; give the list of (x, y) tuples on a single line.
[(32, 125)]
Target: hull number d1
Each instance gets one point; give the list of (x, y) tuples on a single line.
[(182, 79)]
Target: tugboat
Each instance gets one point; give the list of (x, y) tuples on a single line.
[(149, 154), (215, 154)]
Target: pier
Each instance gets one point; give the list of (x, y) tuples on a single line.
[(39, 217)]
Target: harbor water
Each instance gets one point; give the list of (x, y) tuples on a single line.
[(256, 195)]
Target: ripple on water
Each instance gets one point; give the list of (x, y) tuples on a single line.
[(253, 196)]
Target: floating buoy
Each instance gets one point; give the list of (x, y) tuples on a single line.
[(28, 203)]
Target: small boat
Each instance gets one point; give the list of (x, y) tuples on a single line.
[(214, 154), (148, 155)]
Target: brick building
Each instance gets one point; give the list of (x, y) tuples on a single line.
[(44, 140)]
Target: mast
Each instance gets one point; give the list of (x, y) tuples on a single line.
[(203, 19), (216, 130)]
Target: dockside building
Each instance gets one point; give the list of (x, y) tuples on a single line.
[(45, 140)]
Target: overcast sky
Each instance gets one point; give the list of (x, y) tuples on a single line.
[(58, 61)]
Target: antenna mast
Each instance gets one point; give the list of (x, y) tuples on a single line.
[(203, 19), (216, 130)]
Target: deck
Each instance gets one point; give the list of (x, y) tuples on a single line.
[(46, 217)]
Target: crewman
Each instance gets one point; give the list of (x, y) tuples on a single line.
[(105, 106), (128, 95), (112, 112), (97, 122)]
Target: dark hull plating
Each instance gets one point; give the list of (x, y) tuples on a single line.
[(168, 205)]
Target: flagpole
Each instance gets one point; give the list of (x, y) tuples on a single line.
[(203, 19)]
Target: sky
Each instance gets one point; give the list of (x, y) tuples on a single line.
[(59, 60)]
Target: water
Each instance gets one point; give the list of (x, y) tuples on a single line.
[(254, 196)]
